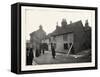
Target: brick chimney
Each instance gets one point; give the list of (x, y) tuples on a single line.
[(64, 23)]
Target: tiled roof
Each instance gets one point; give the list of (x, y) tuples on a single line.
[(68, 28)]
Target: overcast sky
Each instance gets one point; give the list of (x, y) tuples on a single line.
[(48, 18)]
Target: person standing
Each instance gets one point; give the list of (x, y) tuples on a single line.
[(43, 51), (53, 51), (31, 56), (27, 56)]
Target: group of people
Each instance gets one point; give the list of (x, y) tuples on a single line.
[(30, 53)]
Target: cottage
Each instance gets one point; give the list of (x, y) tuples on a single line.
[(67, 36)]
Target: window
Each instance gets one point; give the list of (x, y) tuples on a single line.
[(70, 44), (65, 45)]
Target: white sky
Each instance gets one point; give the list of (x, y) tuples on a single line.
[(48, 17)]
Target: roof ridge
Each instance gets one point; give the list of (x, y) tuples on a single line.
[(68, 28)]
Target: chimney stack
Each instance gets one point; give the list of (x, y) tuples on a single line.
[(64, 23)]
